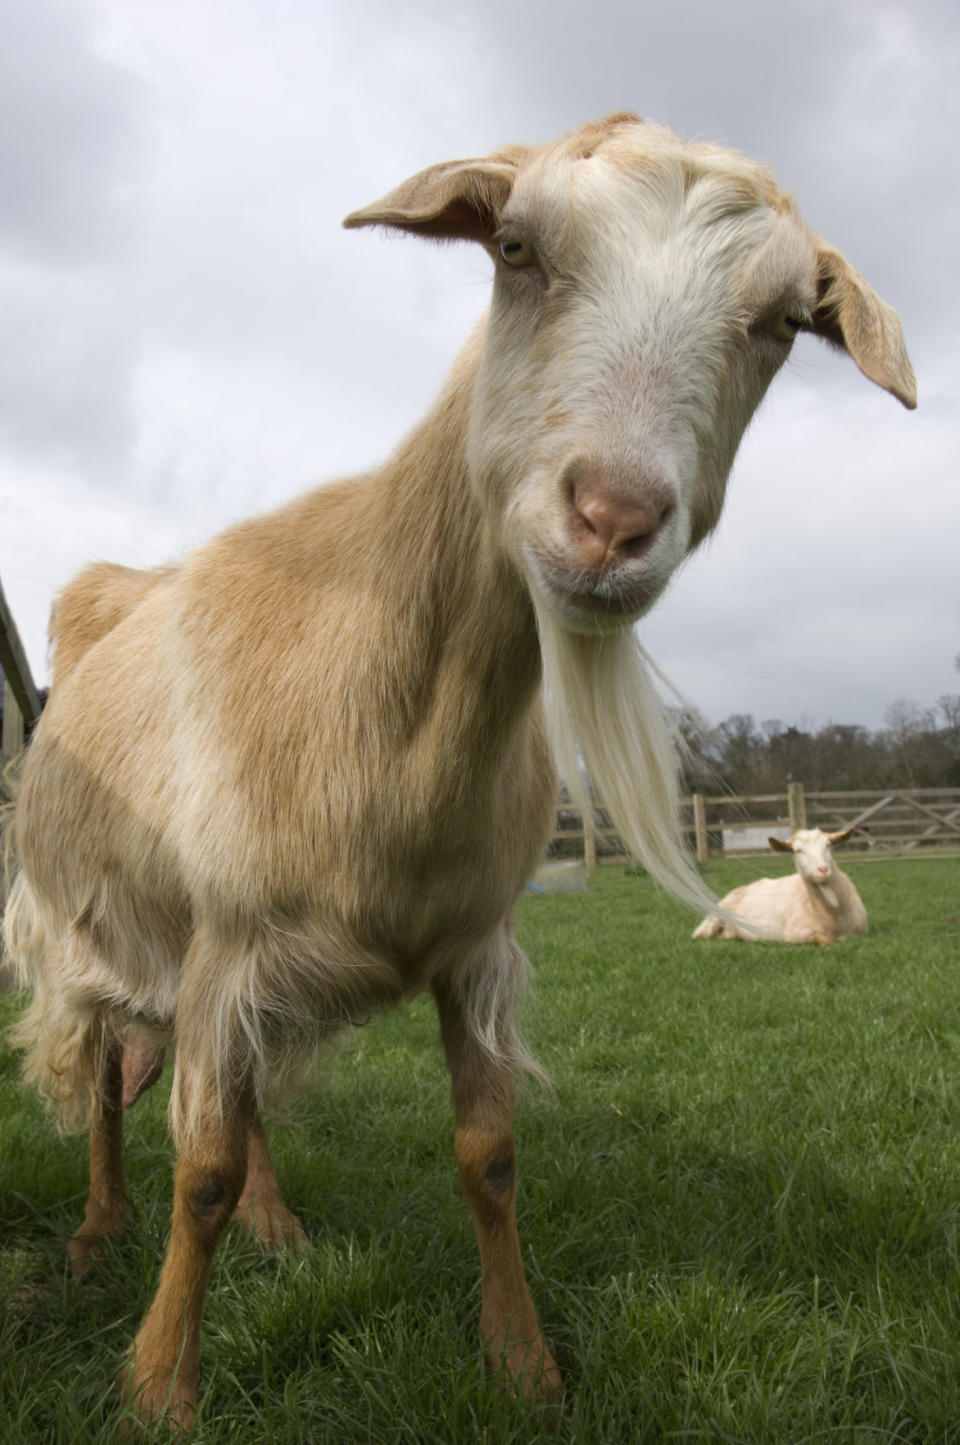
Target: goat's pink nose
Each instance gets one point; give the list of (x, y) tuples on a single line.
[(611, 526)]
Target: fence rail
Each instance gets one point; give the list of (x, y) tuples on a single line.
[(892, 821)]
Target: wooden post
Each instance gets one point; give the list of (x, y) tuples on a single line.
[(12, 723), (16, 669), (590, 843), (796, 806), (700, 827)]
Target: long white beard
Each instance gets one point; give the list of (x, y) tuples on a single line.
[(607, 725), (829, 896)]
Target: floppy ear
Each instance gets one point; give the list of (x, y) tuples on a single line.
[(840, 837), (455, 201), (779, 846), (851, 315)]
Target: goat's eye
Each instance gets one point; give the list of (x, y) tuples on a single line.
[(786, 324), (518, 252)]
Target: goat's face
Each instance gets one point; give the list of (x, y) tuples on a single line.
[(643, 302), (812, 853), (646, 293)]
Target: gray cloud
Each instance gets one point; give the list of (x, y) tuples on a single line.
[(69, 137)]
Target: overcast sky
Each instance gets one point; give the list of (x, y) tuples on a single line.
[(189, 337)]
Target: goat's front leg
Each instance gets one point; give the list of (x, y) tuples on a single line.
[(483, 1099), (261, 1211), (166, 1353), (213, 1113), (107, 1212)]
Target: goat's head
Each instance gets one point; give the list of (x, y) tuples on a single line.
[(812, 853), (646, 293)]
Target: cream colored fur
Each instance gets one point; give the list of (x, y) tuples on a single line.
[(305, 773), (817, 904)]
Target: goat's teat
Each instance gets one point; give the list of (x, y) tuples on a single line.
[(610, 524)]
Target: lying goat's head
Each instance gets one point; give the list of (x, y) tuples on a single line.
[(812, 853), (646, 293)]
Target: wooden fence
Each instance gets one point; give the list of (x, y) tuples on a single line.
[(21, 708), (21, 704), (892, 821)]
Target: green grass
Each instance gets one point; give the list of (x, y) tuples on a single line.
[(739, 1210)]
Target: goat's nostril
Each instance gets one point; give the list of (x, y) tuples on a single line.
[(624, 528)]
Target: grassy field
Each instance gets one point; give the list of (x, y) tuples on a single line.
[(739, 1210)]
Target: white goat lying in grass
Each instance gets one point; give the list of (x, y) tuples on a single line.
[(817, 904)]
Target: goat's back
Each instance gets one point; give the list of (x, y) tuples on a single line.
[(91, 605)]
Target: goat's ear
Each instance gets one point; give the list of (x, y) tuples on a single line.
[(457, 201), (779, 846), (851, 315), (840, 837)]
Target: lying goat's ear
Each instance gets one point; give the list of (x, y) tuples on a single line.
[(779, 846), (456, 201), (851, 315), (840, 837)]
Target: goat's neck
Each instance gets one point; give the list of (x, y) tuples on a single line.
[(472, 659)]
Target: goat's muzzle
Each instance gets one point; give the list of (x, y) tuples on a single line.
[(611, 522)]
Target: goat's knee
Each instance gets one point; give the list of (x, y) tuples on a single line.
[(486, 1163)]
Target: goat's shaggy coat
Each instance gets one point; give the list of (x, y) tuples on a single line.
[(305, 773)]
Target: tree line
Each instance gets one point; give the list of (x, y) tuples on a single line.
[(917, 748)]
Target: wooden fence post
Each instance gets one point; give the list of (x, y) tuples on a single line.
[(796, 806), (590, 842), (12, 723), (700, 827)]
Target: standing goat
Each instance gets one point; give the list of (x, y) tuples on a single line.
[(817, 904), (310, 770)]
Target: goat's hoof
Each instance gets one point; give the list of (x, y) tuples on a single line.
[(528, 1369), (83, 1251), (90, 1241), (272, 1225), (156, 1396)]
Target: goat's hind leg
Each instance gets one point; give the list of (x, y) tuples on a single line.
[(486, 1161), (261, 1211), (107, 1211)]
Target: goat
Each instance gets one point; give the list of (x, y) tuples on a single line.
[(308, 774), (817, 904)]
